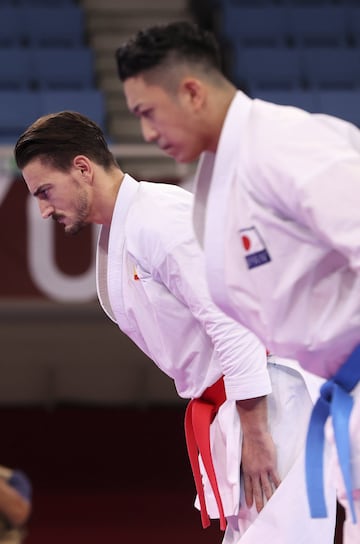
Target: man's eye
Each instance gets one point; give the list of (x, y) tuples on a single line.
[(146, 114), (43, 194)]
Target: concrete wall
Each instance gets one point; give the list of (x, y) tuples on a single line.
[(55, 353)]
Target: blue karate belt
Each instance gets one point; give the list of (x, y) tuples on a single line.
[(335, 400)]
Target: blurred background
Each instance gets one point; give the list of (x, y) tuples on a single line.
[(96, 426)]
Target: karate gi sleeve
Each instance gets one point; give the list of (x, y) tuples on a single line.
[(241, 354)]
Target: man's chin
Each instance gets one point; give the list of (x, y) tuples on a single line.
[(71, 230), (184, 157)]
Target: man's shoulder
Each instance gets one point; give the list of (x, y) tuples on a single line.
[(161, 202), (160, 218), (160, 190)]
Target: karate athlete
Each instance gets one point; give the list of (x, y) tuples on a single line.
[(151, 282), (277, 211)]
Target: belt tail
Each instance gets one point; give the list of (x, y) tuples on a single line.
[(198, 417)]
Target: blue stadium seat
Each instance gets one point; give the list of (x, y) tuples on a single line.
[(18, 109), (306, 100), (266, 68), (11, 33), (89, 102), (63, 68), (15, 72), (61, 26), (317, 25), (343, 104), (242, 3), (331, 67), (253, 26), (44, 3), (314, 3), (353, 23)]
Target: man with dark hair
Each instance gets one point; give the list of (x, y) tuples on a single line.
[(277, 204), (151, 282), (153, 65)]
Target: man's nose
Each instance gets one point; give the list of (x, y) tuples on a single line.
[(46, 209), (148, 131)]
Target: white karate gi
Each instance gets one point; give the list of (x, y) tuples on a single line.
[(151, 282), (278, 212)]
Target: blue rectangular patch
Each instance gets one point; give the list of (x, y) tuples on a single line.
[(257, 259), (254, 247)]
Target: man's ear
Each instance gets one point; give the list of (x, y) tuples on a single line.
[(195, 92), (84, 166)]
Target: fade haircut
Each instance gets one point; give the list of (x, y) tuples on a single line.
[(58, 137), (164, 45)]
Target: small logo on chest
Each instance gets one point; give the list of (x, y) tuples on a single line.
[(255, 250), (136, 277)]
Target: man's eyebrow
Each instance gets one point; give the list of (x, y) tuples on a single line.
[(39, 189)]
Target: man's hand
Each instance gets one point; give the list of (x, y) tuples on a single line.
[(259, 464)]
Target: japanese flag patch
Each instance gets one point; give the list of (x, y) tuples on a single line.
[(254, 247)]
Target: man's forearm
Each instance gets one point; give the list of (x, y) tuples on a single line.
[(253, 415)]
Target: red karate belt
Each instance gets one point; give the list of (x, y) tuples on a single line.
[(199, 414)]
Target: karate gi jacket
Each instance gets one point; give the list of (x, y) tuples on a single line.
[(151, 282), (277, 211)]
